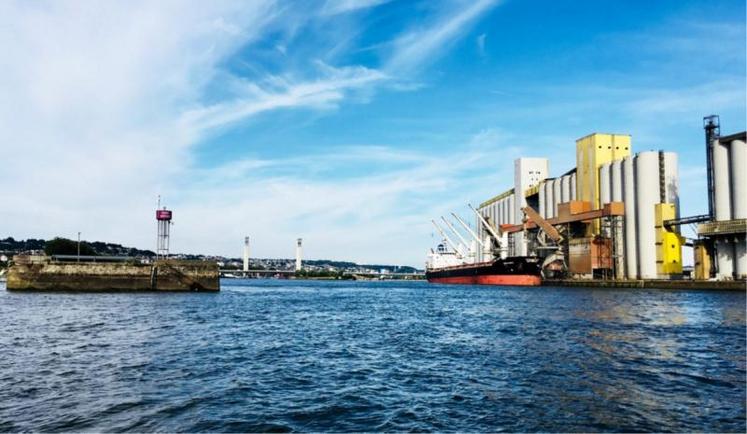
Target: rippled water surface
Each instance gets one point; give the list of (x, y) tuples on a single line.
[(373, 356)]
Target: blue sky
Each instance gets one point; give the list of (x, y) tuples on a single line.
[(348, 123)]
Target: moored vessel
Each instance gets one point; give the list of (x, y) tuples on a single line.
[(458, 263), (513, 271)]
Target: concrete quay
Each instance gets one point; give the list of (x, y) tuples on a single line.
[(41, 273), (715, 285)]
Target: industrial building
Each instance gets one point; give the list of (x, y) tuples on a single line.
[(616, 215)]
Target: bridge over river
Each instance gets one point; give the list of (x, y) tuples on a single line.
[(286, 274)]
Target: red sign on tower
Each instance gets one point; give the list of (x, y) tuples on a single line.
[(163, 214)]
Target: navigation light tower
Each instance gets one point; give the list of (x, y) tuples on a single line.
[(246, 254), (298, 254), (163, 217)]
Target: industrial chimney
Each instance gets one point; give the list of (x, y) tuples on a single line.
[(298, 254)]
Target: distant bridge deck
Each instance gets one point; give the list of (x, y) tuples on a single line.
[(287, 273)]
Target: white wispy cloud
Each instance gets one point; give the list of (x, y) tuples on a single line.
[(333, 7), (357, 217), (323, 92), (419, 47), (106, 104)]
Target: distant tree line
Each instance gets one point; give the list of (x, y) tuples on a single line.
[(325, 274), (65, 246)]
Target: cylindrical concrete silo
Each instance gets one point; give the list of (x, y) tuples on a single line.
[(631, 249), (565, 189), (647, 195), (722, 197), (740, 258), (605, 189), (618, 229), (738, 159), (738, 154), (542, 200), (725, 258), (617, 181), (549, 199), (573, 186), (721, 181), (512, 210), (671, 181), (555, 196)]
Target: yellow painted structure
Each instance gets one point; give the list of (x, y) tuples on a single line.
[(668, 244), (702, 262), (591, 152)]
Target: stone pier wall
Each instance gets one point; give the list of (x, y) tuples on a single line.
[(40, 273)]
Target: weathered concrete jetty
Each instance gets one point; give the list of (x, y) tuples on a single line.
[(716, 285), (44, 273)]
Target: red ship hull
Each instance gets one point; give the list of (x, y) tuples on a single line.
[(508, 280), (513, 271)]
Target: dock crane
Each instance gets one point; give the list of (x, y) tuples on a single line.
[(552, 233), (500, 240)]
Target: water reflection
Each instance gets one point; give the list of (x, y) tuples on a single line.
[(352, 356)]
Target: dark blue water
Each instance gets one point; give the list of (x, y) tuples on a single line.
[(378, 356)]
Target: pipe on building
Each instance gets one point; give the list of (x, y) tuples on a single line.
[(647, 195)]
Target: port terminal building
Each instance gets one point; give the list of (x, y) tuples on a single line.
[(616, 214)]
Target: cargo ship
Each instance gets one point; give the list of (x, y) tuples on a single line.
[(513, 271), (457, 262)]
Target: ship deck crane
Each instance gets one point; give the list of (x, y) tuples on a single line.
[(457, 251), (468, 229), (488, 226), (453, 229)]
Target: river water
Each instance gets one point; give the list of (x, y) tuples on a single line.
[(272, 355)]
